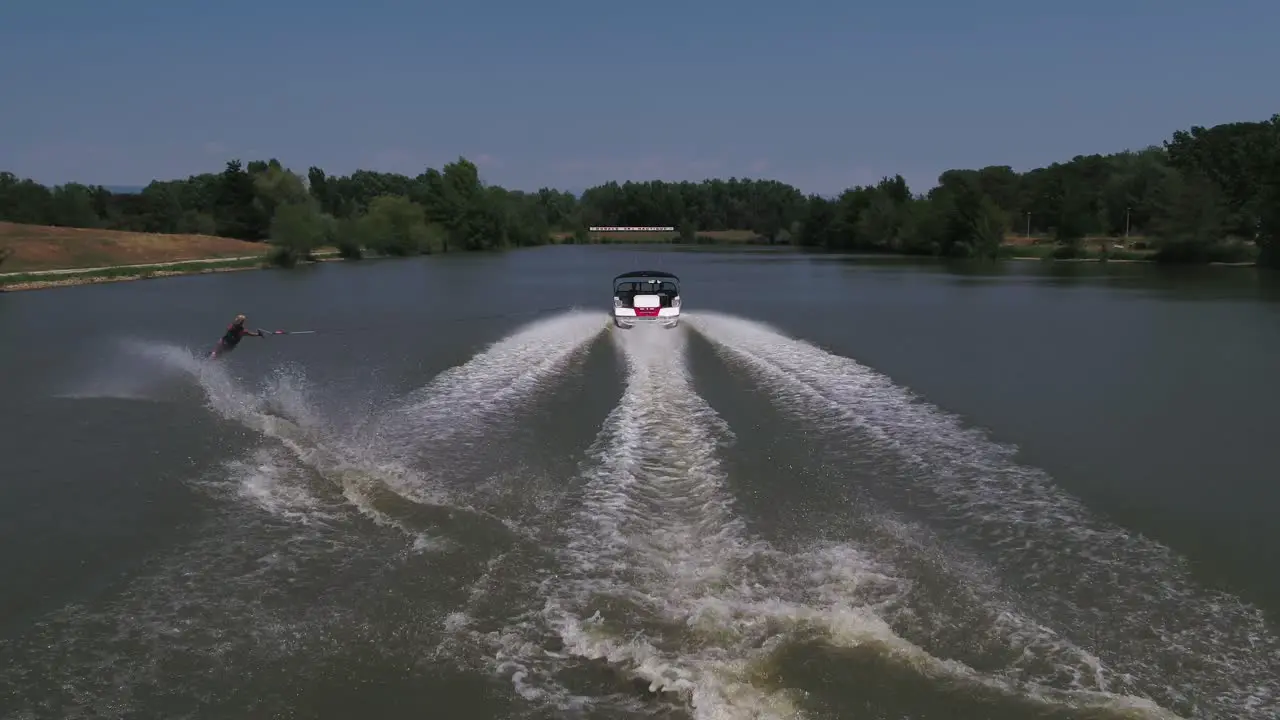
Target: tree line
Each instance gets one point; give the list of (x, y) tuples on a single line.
[(1204, 194)]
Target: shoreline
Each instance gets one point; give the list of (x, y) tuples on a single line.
[(91, 278), (69, 277), (1130, 261)]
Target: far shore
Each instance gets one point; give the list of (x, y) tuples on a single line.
[(48, 257), (67, 277)]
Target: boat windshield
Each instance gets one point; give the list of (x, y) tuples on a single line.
[(642, 287)]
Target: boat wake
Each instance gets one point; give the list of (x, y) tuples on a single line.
[(1133, 602), (658, 593), (451, 421), (315, 528), (951, 581)]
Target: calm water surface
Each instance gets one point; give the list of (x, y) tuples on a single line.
[(843, 488)]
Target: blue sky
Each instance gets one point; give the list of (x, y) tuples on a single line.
[(823, 95)]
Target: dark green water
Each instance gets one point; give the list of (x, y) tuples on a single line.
[(843, 488)]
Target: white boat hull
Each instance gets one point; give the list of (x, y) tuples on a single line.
[(630, 317)]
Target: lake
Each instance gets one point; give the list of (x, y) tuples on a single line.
[(843, 487)]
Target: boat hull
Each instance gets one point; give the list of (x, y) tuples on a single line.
[(626, 321)]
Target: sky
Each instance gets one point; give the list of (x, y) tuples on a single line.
[(823, 95)]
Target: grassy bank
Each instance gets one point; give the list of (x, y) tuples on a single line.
[(1227, 253), (1065, 254), (1016, 247), (35, 248), (48, 279), (37, 280), (39, 256), (717, 237)]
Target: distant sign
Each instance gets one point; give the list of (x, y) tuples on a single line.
[(629, 228)]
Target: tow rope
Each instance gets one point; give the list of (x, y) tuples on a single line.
[(466, 318)]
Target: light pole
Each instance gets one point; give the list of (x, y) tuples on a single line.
[(1126, 223), (1028, 226)]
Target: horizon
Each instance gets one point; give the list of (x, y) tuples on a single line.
[(841, 97)]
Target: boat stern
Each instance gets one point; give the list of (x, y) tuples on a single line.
[(646, 297), (646, 310)]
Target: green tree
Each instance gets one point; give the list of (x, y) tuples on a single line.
[(297, 229), (880, 223), (396, 225), (1226, 181), (237, 212), (971, 224), (72, 205), (274, 185), (347, 236), (688, 232), (24, 201), (194, 222), (1191, 217)]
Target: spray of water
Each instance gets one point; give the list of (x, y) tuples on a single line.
[(446, 420), (136, 370)]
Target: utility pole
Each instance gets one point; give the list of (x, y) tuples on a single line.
[(1126, 223), (1028, 226)]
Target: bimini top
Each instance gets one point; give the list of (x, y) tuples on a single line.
[(647, 274)]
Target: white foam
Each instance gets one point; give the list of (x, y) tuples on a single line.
[(663, 581), (465, 398), (1127, 596), (281, 411), (270, 482), (656, 541), (656, 492), (461, 403), (442, 418), (657, 577)]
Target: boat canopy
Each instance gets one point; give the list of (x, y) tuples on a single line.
[(646, 275)]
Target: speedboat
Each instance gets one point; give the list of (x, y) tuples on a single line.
[(646, 296)]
